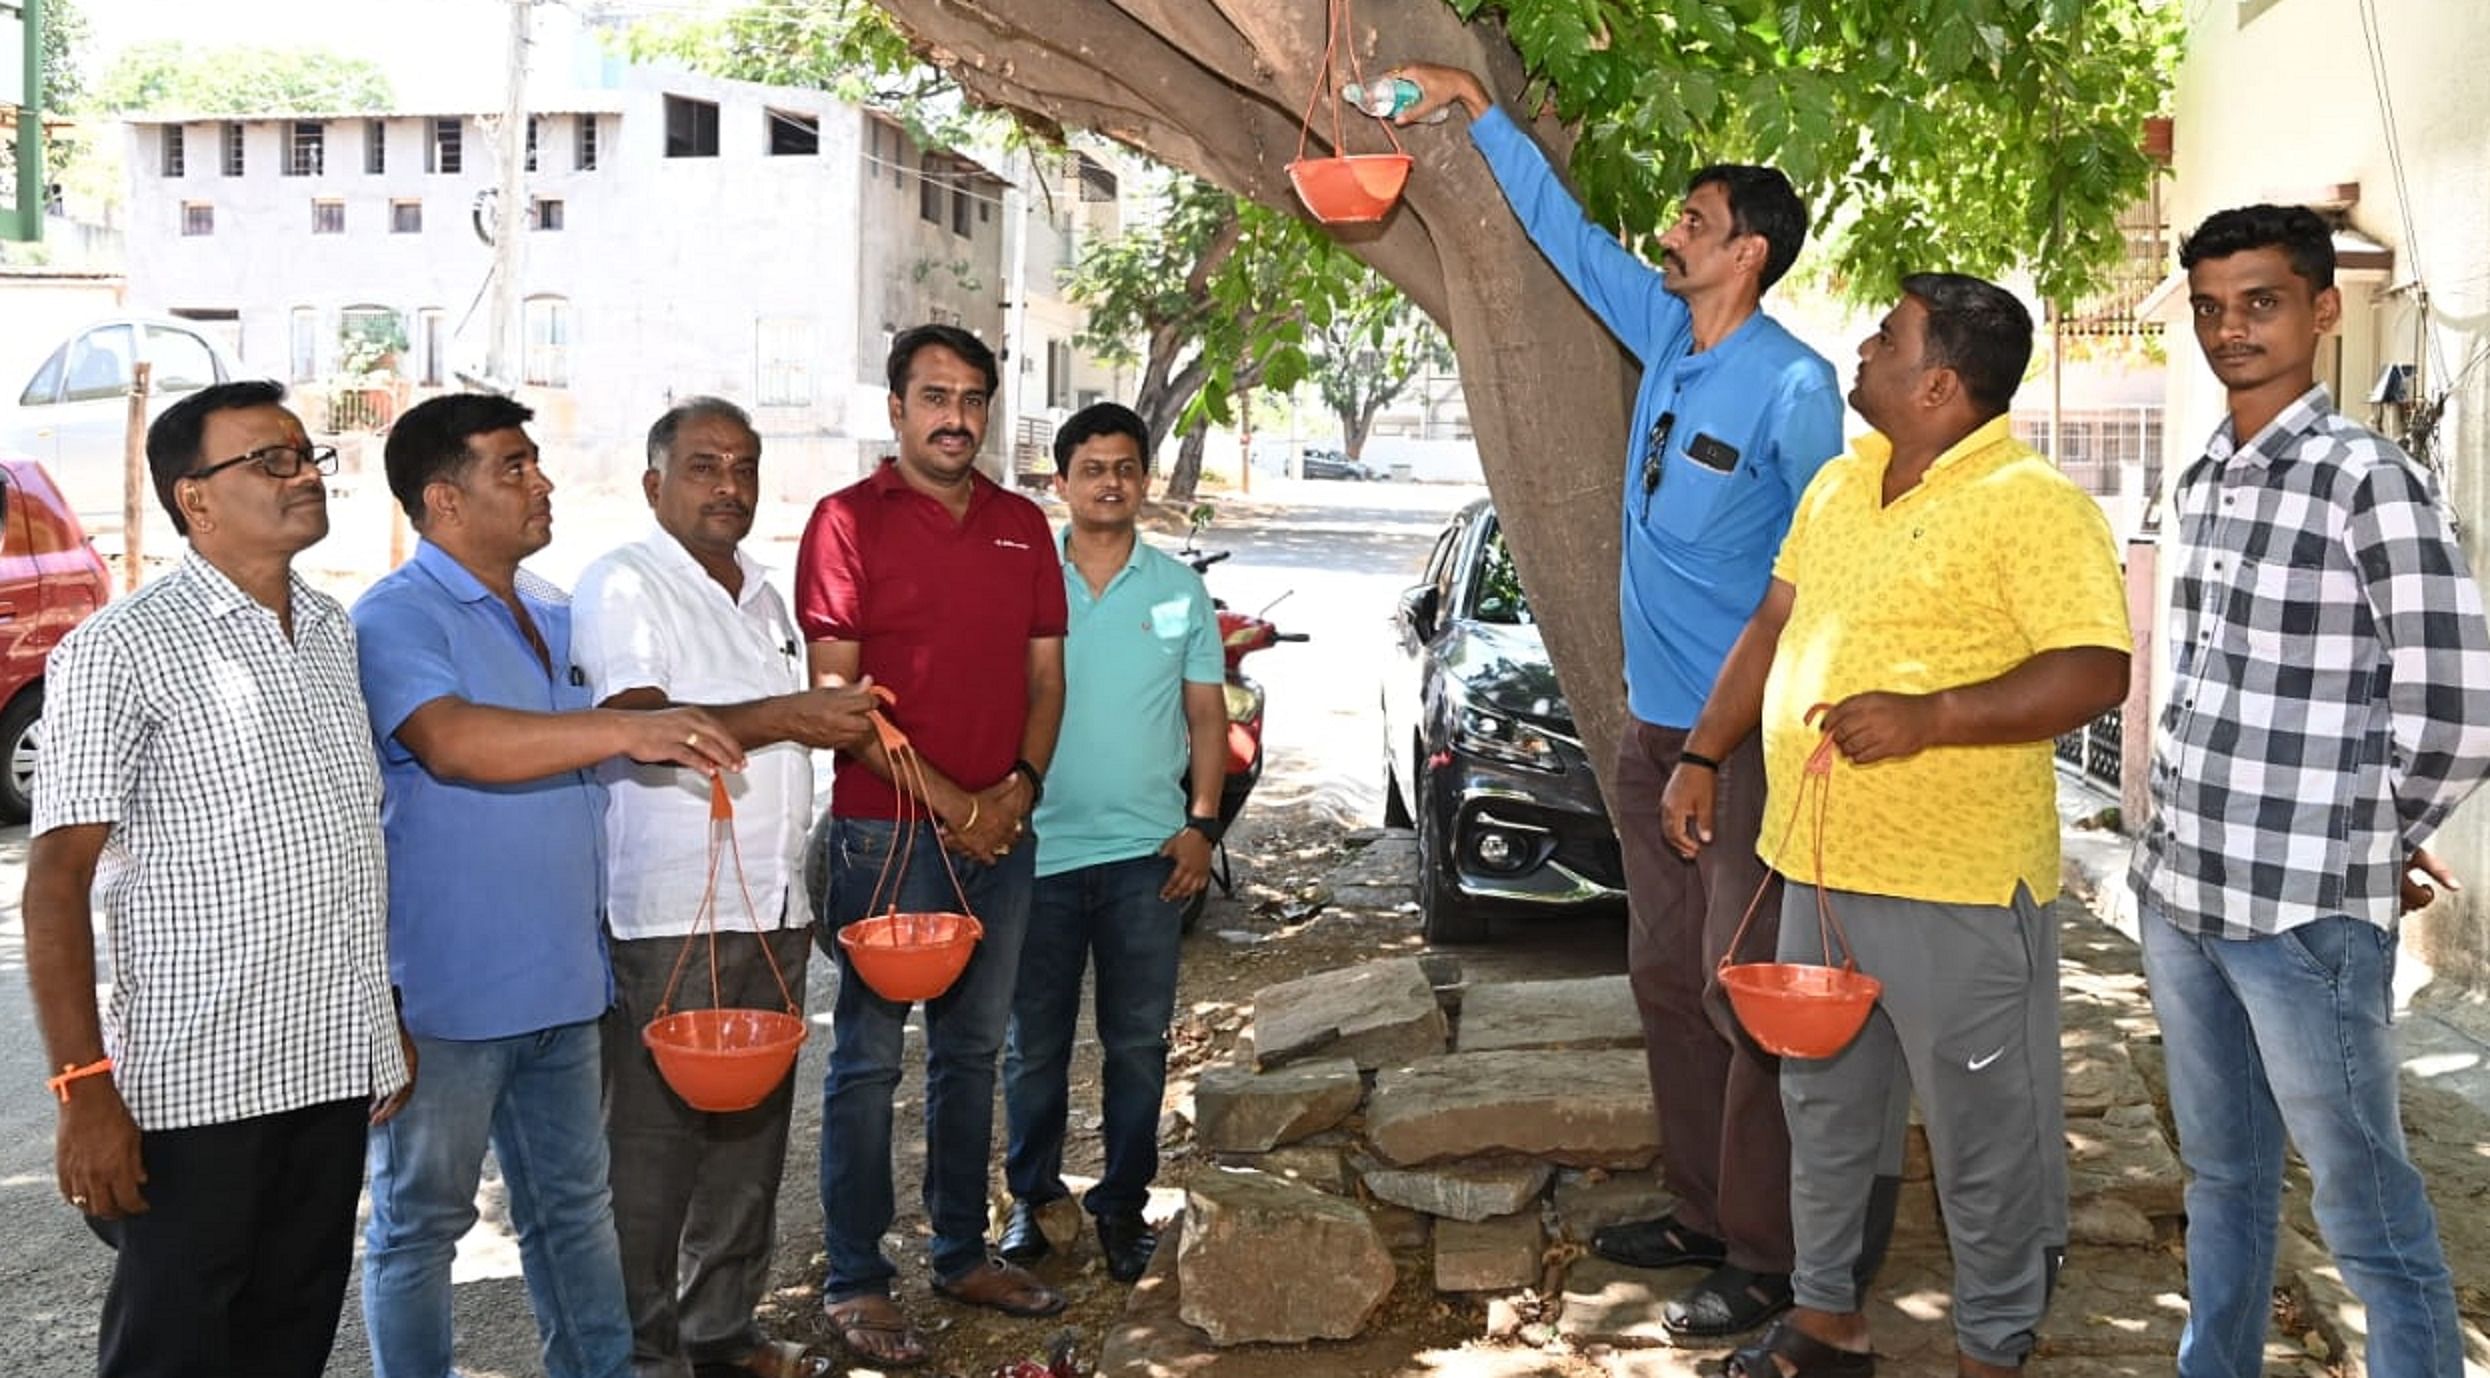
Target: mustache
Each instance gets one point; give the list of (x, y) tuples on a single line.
[(725, 509), (954, 433), (1669, 259)]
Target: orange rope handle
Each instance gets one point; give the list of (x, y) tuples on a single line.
[(909, 782), (1339, 18), (1816, 779), (71, 1071)]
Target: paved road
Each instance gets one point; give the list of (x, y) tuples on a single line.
[(1326, 559)]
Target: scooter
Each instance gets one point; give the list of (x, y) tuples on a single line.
[(1240, 635)]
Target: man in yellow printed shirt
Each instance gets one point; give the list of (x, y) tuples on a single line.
[(1946, 603)]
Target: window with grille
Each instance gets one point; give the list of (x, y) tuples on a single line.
[(305, 339), (785, 359), (431, 345), (406, 217), (233, 148), (793, 134), (928, 193), (375, 147), (959, 210), (545, 359), (531, 143), (584, 150), (175, 163), (446, 151), (306, 148), (548, 213), (691, 128), (198, 217), (328, 217)]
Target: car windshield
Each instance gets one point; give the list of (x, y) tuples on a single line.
[(1496, 597)]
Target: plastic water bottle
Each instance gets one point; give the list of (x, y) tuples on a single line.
[(1386, 97)]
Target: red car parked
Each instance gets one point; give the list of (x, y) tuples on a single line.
[(50, 579)]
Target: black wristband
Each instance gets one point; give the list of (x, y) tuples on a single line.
[(1696, 758), (1037, 782), (1207, 825)]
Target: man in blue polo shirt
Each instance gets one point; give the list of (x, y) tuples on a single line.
[(495, 832), (1124, 839), (1733, 417)]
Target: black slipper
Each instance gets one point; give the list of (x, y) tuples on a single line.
[(1729, 1301), (1809, 1357), (1661, 1243)]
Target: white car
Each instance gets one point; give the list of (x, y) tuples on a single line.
[(71, 407)]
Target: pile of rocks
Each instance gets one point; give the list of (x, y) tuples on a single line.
[(1386, 1117), (1358, 1122)]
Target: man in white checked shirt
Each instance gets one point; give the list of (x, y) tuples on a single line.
[(208, 775), (685, 616), (2329, 707)]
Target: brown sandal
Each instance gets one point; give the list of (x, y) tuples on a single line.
[(1005, 1287), (876, 1331)]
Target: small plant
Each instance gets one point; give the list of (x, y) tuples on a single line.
[(368, 343)]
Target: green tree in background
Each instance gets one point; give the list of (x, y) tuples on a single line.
[(1367, 356), (169, 77)]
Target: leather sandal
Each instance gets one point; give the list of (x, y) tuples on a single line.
[(876, 1331), (1729, 1301), (1661, 1243), (774, 1359), (1809, 1357), (1005, 1287)]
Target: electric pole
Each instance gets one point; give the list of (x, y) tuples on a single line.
[(501, 357)]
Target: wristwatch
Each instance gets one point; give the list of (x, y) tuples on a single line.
[(1208, 825), (1037, 782)]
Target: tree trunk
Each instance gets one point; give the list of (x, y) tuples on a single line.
[(1216, 87), (1186, 474)]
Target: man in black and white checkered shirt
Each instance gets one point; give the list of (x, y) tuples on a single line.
[(208, 779), (2329, 707)]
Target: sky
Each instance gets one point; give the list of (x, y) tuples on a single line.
[(435, 51)]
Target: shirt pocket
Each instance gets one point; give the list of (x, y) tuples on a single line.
[(1171, 628), (1689, 496), (2277, 607)]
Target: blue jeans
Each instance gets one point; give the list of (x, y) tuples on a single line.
[(534, 1097), (2291, 1033), (1112, 910), (963, 1031)]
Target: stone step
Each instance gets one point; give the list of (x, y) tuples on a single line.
[(1586, 1109), (1589, 1012), (1377, 1014), (1239, 1110)]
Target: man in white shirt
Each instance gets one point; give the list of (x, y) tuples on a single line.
[(686, 617)]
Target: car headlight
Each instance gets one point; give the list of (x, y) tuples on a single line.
[(1493, 735)]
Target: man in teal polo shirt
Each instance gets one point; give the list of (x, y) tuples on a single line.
[(1124, 838)]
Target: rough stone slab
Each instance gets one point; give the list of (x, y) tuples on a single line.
[(1381, 875), (1609, 1303), (1243, 1263), (1590, 1200), (1377, 1014), (1239, 1110), (2124, 1156), (2108, 1223), (1401, 1228), (1320, 1167), (1496, 1255), (1588, 1109), (1459, 1191), (1589, 1012), (2100, 1077)]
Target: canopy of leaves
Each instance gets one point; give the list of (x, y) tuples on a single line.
[(168, 76), (1365, 357), (1975, 135)]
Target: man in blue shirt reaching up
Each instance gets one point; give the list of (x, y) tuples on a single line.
[(1733, 417)]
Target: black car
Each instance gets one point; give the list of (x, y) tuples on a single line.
[(1480, 753)]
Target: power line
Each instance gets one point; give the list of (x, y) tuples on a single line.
[(2375, 43)]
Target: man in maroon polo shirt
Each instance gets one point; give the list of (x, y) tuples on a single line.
[(944, 588)]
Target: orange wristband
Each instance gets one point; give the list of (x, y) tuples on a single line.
[(70, 1073)]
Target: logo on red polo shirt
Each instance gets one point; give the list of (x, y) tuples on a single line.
[(1010, 544)]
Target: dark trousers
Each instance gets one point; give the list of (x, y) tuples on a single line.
[(695, 1193), (237, 1268), (1112, 912), (1724, 1146)]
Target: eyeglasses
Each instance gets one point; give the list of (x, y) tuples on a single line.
[(277, 461), (1655, 453)]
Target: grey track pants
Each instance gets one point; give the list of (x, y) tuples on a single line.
[(1969, 1015)]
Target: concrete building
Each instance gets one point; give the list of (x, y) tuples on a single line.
[(2283, 100), (686, 235)]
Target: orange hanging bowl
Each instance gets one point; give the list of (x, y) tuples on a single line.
[(908, 957), (723, 1060), (1800, 1011), (1353, 189)]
